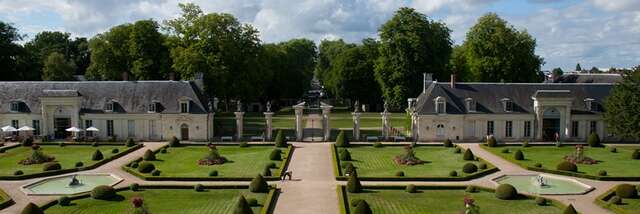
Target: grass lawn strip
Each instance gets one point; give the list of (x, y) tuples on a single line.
[(5, 200), (628, 206)]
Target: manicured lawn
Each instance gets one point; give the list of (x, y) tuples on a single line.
[(165, 201), (67, 156), (378, 162), (617, 164), (243, 162), (449, 201)]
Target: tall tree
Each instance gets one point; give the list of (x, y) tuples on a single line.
[(327, 53), (556, 73), (150, 58), (578, 68), (47, 42), (622, 114), (110, 54), (411, 44), (353, 73), (57, 68), (9, 51), (594, 70), (497, 52), (458, 64)]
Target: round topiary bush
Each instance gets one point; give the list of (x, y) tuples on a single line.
[(258, 184), (411, 188), (134, 187), (378, 145), (602, 172), (62, 144), (103, 192), (243, 144), (198, 187), (448, 143), (134, 165), (345, 155), (213, 173), (613, 149), (174, 142), (626, 191), (50, 166), (491, 142), (482, 166), (149, 155), (457, 150), (505, 150), (471, 189), (453, 173), (163, 151), (400, 174), (518, 155), (615, 200), (506, 192), (146, 167), (79, 164), (115, 150), (18, 172), (538, 165), (593, 140), (155, 172), (567, 166), (468, 155), (64, 201), (276, 155), (355, 202), (525, 143), (252, 202), (570, 210), (130, 142), (95, 144), (31, 208), (469, 168), (635, 155), (97, 155), (363, 208), (541, 201)]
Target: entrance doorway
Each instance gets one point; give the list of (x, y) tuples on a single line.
[(60, 125), (550, 124), (184, 132)]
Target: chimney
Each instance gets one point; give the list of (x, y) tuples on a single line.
[(125, 76), (172, 76), (453, 80), (426, 79)]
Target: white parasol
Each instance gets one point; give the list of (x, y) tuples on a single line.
[(9, 129), (73, 129), (93, 129), (26, 128)]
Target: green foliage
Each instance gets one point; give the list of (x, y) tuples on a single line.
[(457, 150), (541, 201), (252, 202), (626, 191), (79, 164), (570, 210), (622, 114), (243, 144), (506, 192), (468, 155), (453, 173), (602, 172), (448, 143), (97, 155), (115, 151), (613, 149), (538, 165), (497, 52), (518, 155), (410, 43), (18, 172), (345, 155), (134, 165), (130, 142), (482, 166), (491, 142), (276, 155), (27, 141), (399, 174), (469, 168), (266, 171), (635, 155), (198, 187), (272, 165), (31, 208), (50, 166), (57, 68), (134, 187), (355, 202), (525, 143), (615, 200), (593, 140), (471, 189), (12, 54), (155, 172), (567, 166), (64, 201), (103, 192), (342, 140), (353, 184), (149, 155), (213, 173), (146, 167), (363, 208), (505, 150), (258, 184), (378, 145), (411, 188), (281, 141), (174, 142)]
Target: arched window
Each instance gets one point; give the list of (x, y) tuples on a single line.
[(440, 130), (441, 105)]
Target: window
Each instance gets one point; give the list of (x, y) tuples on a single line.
[(184, 107), (440, 130), (593, 127), (131, 126), (36, 127), (589, 104), (575, 128), (470, 104), (15, 107), (109, 106), (527, 128), (440, 105), (87, 124), (490, 127), (16, 125), (110, 128), (152, 107), (507, 104), (508, 128)]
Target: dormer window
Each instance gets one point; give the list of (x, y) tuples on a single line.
[(441, 105), (109, 106), (152, 107), (507, 104), (184, 106), (590, 104), (15, 106), (470, 104)]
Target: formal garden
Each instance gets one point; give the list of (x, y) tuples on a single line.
[(594, 161), (241, 161), (30, 159), (622, 199), (5, 200)]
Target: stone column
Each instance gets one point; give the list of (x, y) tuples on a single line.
[(268, 116), (239, 125), (538, 123), (356, 126), (386, 126), (326, 111), (414, 126), (567, 123), (299, 111)]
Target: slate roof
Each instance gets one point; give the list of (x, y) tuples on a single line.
[(589, 78), (489, 96), (131, 96)]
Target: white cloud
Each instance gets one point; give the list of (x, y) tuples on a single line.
[(617, 5)]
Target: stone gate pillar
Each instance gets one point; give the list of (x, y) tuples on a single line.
[(268, 118), (299, 109), (356, 126), (326, 129), (239, 125)]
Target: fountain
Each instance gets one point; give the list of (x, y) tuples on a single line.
[(544, 184), (70, 184), (539, 181)]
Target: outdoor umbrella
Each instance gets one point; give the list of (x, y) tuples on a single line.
[(26, 129), (93, 129), (8, 129), (73, 129)]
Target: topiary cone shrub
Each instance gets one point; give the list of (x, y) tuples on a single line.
[(635, 155), (363, 208), (31, 208), (97, 155), (593, 140), (354, 185), (491, 142), (345, 155), (103, 192), (258, 184), (411, 188), (149, 155), (174, 142), (468, 155), (448, 143), (275, 155), (518, 155), (266, 171), (567, 166), (342, 140), (51, 166), (626, 191), (525, 143), (130, 142), (570, 210), (146, 167), (280, 140), (469, 168), (506, 192), (242, 207)]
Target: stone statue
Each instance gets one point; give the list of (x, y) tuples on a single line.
[(268, 106), (386, 106), (239, 106), (356, 106), (74, 181), (210, 104)]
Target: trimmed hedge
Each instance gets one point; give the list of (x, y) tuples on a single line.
[(97, 155), (570, 210), (130, 143), (198, 187), (469, 168), (354, 185), (363, 208), (64, 201), (491, 142), (146, 167), (468, 155), (518, 155), (593, 140), (567, 166), (280, 140), (51, 166), (213, 173), (506, 192), (411, 188), (400, 174), (242, 207), (471, 189), (134, 187), (149, 155), (345, 155), (342, 140), (174, 142), (258, 184), (453, 173), (448, 143), (626, 191), (103, 192), (635, 155), (275, 155), (541, 201), (31, 208), (115, 150), (602, 172)]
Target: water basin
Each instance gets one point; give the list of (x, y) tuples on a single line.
[(553, 185), (60, 185)]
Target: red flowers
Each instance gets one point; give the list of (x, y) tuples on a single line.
[(468, 201), (137, 202)]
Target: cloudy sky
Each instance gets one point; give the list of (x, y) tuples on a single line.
[(601, 33)]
